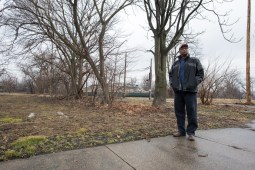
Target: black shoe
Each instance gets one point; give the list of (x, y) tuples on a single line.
[(178, 134), (191, 137)]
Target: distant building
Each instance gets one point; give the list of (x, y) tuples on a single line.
[(119, 88)]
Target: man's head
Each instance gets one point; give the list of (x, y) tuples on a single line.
[(183, 50)]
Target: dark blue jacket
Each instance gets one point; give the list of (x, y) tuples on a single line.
[(193, 75)]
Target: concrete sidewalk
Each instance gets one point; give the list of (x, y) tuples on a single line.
[(232, 148)]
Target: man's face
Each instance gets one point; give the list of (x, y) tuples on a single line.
[(184, 51)]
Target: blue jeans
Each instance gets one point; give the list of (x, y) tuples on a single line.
[(186, 102)]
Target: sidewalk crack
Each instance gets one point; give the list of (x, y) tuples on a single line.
[(232, 146), (120, 157)]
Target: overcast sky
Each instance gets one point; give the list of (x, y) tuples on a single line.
[(212, 43)]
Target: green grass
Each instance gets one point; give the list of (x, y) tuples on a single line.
[(81, 131), (11, 154), (27, 141), (10, 120), (23, 147), (28, 145)]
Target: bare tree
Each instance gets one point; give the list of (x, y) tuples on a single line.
[(38, 72), (167, 20), (145, 83), (2, 72), (114, 74), (38, 25), (106, 11), (231, 87), (215, 76), (27, 85), (3, 64), (76, 28), (133, 81), (9, 82)]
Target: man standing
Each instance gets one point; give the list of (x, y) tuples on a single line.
[(185, 75)]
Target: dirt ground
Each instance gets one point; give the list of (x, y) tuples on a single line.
[(72, 124)]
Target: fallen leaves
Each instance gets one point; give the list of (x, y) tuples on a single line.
[(86, 126)]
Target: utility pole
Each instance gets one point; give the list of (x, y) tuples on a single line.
[(150, 80), (125, 75), (248, 80)]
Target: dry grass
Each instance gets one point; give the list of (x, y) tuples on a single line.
[(74, 124)]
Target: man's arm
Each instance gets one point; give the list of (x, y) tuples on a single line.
[(171, 75), (199, 72)]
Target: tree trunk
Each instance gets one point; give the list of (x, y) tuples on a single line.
[(80, 78), (160, 56), (103, 82), (73, 73)]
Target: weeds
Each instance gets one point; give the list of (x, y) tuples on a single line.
[(86, 126)]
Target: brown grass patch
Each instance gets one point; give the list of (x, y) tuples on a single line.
[(73, 124)]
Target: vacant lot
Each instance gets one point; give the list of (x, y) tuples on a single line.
[(32, 124)]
